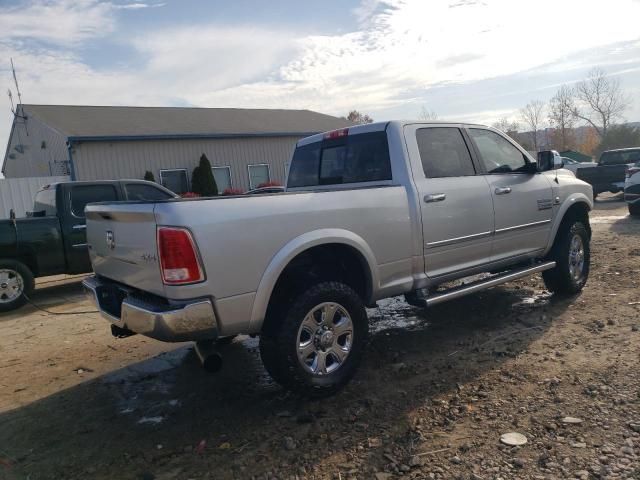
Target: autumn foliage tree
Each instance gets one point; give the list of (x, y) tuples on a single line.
[(359, 118), (589, 142)]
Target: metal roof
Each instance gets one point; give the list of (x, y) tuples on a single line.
[(111, 122)]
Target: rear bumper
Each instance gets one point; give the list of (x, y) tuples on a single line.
[(150, 316)]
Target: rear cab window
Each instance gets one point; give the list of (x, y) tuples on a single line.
[(81, 195), (44, 203), (355, 159), (620, 157)]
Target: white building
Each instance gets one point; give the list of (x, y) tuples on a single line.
[(246, 147)]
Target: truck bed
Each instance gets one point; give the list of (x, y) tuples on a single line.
[(603, 178), (237, 237)]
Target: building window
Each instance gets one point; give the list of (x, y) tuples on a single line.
[(258, 174), (222, 176), (175, 180)]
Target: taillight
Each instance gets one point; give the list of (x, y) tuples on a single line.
[(178, 256), (343, 132)]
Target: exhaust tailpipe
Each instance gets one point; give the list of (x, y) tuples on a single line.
[(209, 356)]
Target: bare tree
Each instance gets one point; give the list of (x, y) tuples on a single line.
[(359, 118), (561, 117), (507, 126), (426, 114), (601, 101), (532, 116)]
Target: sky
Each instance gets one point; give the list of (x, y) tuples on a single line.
[(468, 60)]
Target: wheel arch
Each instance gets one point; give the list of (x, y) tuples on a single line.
[(27, 258), (348, 243), (577, 206)]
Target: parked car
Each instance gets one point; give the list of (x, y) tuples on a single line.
[(632, 189), (369, 212), (574, 165), (52, 239), (264, 190), (609, 174)]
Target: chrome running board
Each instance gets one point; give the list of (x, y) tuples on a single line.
[(483, 284)]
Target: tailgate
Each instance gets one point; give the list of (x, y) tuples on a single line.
[(122, 244)]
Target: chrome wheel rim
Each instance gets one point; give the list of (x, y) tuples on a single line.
[(325, 338), (11, 285), (576, 258)]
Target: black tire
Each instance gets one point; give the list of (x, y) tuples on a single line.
[(634, 209), (567, 277), (595, 195), (17, 271), (281, 337)]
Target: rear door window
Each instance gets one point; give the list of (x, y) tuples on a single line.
[(444, 153), (139, 191), (356, 158), (83, 194)]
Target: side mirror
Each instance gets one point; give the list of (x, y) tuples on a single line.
[(549, 160)]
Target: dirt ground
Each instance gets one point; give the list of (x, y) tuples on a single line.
[(436, 391)]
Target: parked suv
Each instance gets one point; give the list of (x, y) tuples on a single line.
[(369, 212)]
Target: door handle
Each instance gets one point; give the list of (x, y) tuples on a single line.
[(79, 227), (502, 190), (434, 197)]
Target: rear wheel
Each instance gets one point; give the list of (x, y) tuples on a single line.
[(634, 209), (316, 345), (571, 252), (16, 280)]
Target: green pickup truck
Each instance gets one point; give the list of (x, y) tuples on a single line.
[(51, 240)]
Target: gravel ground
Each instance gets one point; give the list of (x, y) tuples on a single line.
[(435, 393)]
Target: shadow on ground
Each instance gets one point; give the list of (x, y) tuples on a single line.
[(167, 415)]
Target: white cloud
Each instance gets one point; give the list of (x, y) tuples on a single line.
[(195, 60), (137, 6), (399, 50), (61, 22)]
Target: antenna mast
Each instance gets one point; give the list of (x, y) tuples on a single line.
[(15, 109), (15, 79)]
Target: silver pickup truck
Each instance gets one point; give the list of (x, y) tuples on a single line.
[(369, 212)]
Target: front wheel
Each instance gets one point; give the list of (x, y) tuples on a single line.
[(571, 252), (634, 209), (16, 280), (316, 344)]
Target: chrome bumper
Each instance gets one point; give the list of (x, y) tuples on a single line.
[(124, 308)]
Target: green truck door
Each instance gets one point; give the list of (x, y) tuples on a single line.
[(74, 226)]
